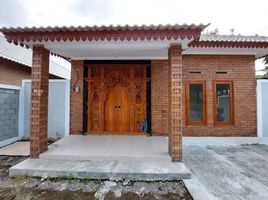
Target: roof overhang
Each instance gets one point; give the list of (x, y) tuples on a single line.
[(110, 33), (107, 42), (134, 42), (230, 45)]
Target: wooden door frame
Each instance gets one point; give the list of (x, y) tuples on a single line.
[(137, 86)]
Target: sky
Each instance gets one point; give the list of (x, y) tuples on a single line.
[(246, 17)]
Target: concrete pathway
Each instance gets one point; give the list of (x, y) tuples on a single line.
[(227, 172), (106, 169), (16, 149), (223, 141)]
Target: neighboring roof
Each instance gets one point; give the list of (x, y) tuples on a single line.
[(233, 38), (23, 56), (231, 41), (152, 32)]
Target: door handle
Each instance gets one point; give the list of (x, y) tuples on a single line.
[(119, 106), (115, 106)]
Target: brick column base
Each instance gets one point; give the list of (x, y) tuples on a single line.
[(39, 101), (175, 102), (76, 107)]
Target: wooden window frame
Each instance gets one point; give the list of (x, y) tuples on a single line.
[(231, 121), (187, 103)]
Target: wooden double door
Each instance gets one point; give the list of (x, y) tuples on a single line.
[(116, 98), (117, 110)]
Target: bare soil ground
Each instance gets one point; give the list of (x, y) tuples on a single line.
[(70, 188)]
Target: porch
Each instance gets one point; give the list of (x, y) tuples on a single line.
[(105, 157), (116, 98)]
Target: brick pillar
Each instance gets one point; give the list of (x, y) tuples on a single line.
[(39, 101), (175, 102), (76, 107)]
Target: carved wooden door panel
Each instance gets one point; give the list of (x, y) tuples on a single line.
[(122, 110), (110, 110), (117, 97), (117, 110)]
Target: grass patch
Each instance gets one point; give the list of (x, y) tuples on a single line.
[(69, 177), (21, 177)]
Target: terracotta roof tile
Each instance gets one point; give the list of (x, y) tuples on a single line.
[(103, 27), (233, 38)]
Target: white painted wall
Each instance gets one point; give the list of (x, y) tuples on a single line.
[(262, 108), (58, 108)]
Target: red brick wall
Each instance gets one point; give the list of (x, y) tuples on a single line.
[(240, 70), (159, 97), (76, 107), (13, 73)]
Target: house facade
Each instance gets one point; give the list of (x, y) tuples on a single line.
[(165, 80)]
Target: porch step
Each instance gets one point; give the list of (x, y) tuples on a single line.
[(105, 169)]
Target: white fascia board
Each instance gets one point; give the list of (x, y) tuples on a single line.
[(106, 43), (122, 58)]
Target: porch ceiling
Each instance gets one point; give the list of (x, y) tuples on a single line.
[(142, 50), (114, 50)]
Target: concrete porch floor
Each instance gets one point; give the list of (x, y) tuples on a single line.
[(106, 157), (111, 147)]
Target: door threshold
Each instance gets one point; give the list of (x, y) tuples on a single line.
[(116, 133)]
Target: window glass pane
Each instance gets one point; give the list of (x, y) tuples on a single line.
[(196, 102), (223, 102)]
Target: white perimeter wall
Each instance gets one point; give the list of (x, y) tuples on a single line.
[(58, 108), (262, 107)]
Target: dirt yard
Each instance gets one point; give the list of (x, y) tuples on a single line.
[(19, 188)]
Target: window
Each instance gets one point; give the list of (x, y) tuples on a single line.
[(223, 103), (195, 103)]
